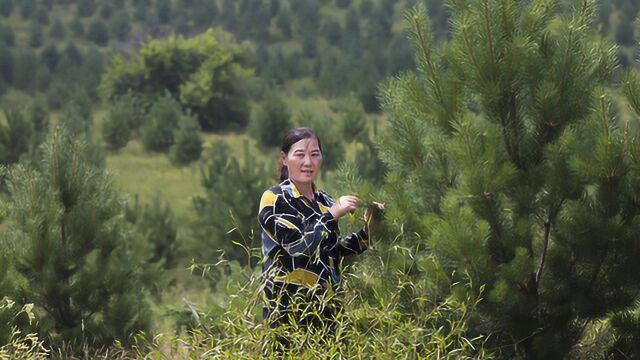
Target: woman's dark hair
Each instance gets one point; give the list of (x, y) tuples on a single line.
[(291, 137)]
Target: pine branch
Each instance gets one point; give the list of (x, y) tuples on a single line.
[(472, 54), (418, 18), (487, 25), (543, 257)]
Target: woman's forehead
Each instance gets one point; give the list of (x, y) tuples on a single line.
[(308, 144)]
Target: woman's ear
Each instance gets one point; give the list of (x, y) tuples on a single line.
[(283, 158)]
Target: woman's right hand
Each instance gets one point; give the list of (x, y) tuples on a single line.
[(345, 204)]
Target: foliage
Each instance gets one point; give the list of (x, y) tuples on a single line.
[(69, 243), (333, 148), (162, 120), (120, 25), (204, 73), (270, 120), (123, 118), (374, 322), (98, 33), (18, 345), (187, 145), (156, 224), (77, 115), (230, 205), (6, 7), (352, 120), (15, 137), (504, 155)]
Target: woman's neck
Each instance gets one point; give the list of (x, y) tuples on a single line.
[(305, 190)]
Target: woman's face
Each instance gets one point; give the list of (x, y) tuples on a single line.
[(303, 161)]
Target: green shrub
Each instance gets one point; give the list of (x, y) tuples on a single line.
[(13, 343), (98, 33), (352, 120), (187, 145), (71, 247), (120, 122), (6, 7), (384, 315), (270, 120), (15, 137), (161, 122), (57, 30), (204, 72), (229, 205)]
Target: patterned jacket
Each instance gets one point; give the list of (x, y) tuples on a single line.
[(301, 241)]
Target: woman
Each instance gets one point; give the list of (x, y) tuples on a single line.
[(301, 241)]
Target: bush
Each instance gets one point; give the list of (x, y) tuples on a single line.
[(624, 32), (25, 61), (50, 57), (77, 27), (270, 120), (383, 314), (187, 145), (15, 137), (98, 33), (156, 225), (352, 120), (7, 36), (42, 15), (6, 7), (205, 72), (229, 206), (72, 249), (333, 149), (332, 30), (119, 123), (6, 64), (14, 344), (57, 30), (77, 115), (120, 25), (27, 8), (162, 120), (35, 35), (86, 8)]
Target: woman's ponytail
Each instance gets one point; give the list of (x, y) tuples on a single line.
[(283, 172)]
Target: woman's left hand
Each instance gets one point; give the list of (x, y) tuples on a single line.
[(370, 218)]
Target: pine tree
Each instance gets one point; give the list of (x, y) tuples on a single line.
[(15, 137), (508, 162), (352, 120), (162, 120), (187, 145), (6, 7), (98, 33), (270, 120), (57, 30), (156, 225), (226, 213), (120, 122), (69, 243)]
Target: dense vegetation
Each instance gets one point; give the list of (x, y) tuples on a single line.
[(137, 135)]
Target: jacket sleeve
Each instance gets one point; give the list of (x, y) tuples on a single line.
[(285, 226), (354, 243)]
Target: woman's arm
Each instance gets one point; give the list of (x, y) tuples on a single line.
[(358, 242), (354, 243), (284, 225)]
